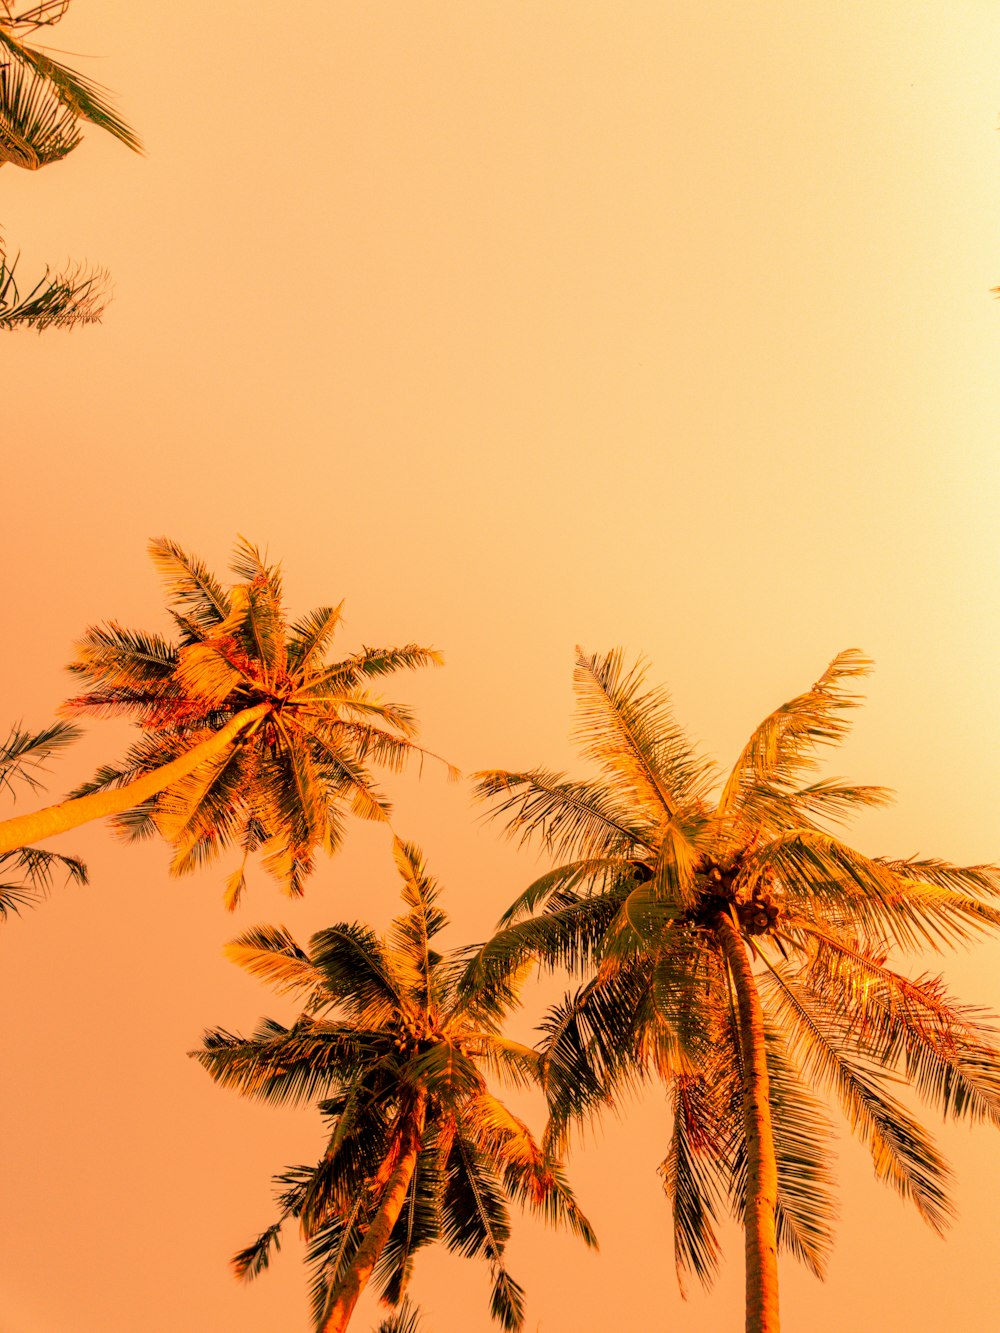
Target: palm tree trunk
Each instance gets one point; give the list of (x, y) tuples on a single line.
[(344, 1297), (25, 830), (762, 1168)]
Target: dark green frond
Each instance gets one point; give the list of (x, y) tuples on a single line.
[(81, 96), (418, 1225), (804, 1147), (283, 1065), (132, 661), (568, 936), (24, 754), (355, 971), (330, 1252), (406, 1319), (36, 126), (571, 819), (445, 1071), (566, 883), (593, 1048), (700, 1142), (250, 1262), (56, 301)]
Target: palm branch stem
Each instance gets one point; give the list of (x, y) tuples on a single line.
[(53, 819), (759, 1223), (345, 1295)]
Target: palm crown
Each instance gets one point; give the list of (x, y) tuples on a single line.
[(738, 949), (420, 1150), (304, 727), (42, 101)]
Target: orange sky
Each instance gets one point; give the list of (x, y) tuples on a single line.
[(518, 325)]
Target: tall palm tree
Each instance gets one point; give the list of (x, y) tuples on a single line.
[(251, 736), (23, 757), (419, 1150), (736, 948)]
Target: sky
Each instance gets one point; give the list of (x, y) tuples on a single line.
[(519, 326)]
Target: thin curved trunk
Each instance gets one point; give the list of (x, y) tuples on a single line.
[(344, 1297), (759, 1225), (26, 830)]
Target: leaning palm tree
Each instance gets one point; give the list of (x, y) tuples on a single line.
[(251, 737), (736, 948), (419, 1149), (26, 874)]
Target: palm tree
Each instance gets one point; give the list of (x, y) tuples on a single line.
[(419, 1149), (42, 102), (23, 756), (737, 949), (250, 735)]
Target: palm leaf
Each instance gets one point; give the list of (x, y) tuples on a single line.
[(191, 587), (572, 819), (57, 300), (630, 732), (783, 746), (902, 1153), (36, 125)]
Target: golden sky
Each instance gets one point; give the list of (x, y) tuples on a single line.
[(519, 325)]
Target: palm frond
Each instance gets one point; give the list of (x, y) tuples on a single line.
[(592, 1049), (630, 732), (532, 1177), (700, 1138), (309, 638), (418, 1225), (784, 745), (269, 952), (600, 875), (330, 1252), (571, 819), (57, 299), (36, 125), (81, 96), (251, 1261), (25, 754), (282, 1065), (191, 587), (949, 1052), (902, 1153), (475, 1221), (406, 1319), (356, 973)]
